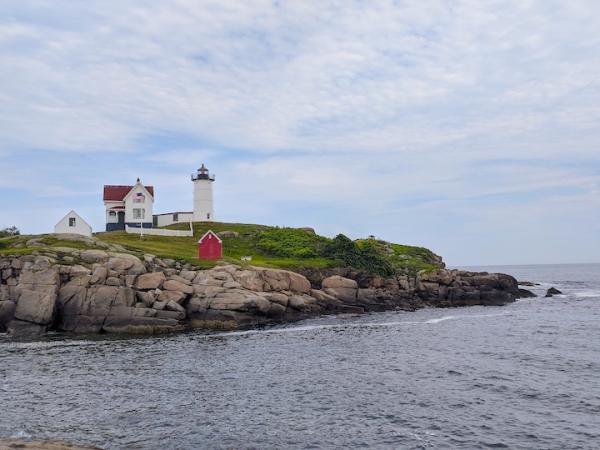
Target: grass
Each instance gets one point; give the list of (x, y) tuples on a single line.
[(286, 248)]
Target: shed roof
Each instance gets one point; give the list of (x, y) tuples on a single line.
[(209, 232)]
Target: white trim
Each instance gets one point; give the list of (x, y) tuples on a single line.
[(132, 189), (174, 212), (210, 232), (158, 232)]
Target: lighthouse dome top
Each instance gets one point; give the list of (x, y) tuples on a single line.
[(203, 174)]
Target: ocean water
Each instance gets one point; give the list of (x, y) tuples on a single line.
[(525, 375)]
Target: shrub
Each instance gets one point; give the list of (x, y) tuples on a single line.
[(291, 243), (367, 255)]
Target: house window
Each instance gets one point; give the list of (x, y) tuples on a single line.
[(71, 221), (139, 213), (112, 213), (208, 216), (175, 217)]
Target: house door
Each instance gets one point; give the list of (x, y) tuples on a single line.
[(121, 216)]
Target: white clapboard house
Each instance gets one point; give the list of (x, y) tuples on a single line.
[(128, 205), (74, 224)]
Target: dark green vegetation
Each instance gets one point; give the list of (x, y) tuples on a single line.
[(288, 248), (10, 231)]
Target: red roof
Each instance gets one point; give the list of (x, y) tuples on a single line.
[(118, 193)]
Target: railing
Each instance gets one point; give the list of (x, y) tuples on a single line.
[(160, 231), (197, 176)]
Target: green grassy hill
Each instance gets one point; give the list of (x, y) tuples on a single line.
[(289, 248)]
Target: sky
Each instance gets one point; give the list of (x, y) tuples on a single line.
[(468, 127)]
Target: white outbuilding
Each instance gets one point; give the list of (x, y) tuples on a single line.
[(74, 224)]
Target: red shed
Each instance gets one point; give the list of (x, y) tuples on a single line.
[(210, 246)]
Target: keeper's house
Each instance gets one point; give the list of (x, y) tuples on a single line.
[(128, 205)]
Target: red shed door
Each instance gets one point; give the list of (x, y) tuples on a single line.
[(210, 247)]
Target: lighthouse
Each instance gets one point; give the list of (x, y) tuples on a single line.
[(203, 195)]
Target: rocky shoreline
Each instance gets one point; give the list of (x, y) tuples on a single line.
[(102, 291)]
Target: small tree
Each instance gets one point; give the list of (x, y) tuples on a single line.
[(10, 231)]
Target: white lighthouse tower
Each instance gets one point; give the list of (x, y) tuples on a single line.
[(203, 195)]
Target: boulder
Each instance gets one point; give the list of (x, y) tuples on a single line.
[(37, 293), (26, 329), (528, 283), (341, 288), (188, 274), (146, 297), (226, 320), (78, 271), (283, 280), (208, 291), (174, 296), (336, 281), (276, 311), (197, 305), (124, 262), (250, 279), (222, 275), (70, 304), (159, 305), (5, 293), (174, 306), (299, 283), (99, 275), (302, 302), (170, 314), (180, 280), (205, 278), (125, 297), (41, 278), (7, 313), (229, 268), (94, 256), (113, 281), (552, 291), (324, 297), (440, 276), (279, 298), (145, 325), (239, 300), (173, 285), (148, 281), (36, 307), (524, 293)]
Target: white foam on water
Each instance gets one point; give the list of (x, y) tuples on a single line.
[(21, 434), (344, 326), (440, 319), (587, 294), (464, 316)]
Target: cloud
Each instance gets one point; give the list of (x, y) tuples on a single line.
[(267, 76), (364, 113)]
